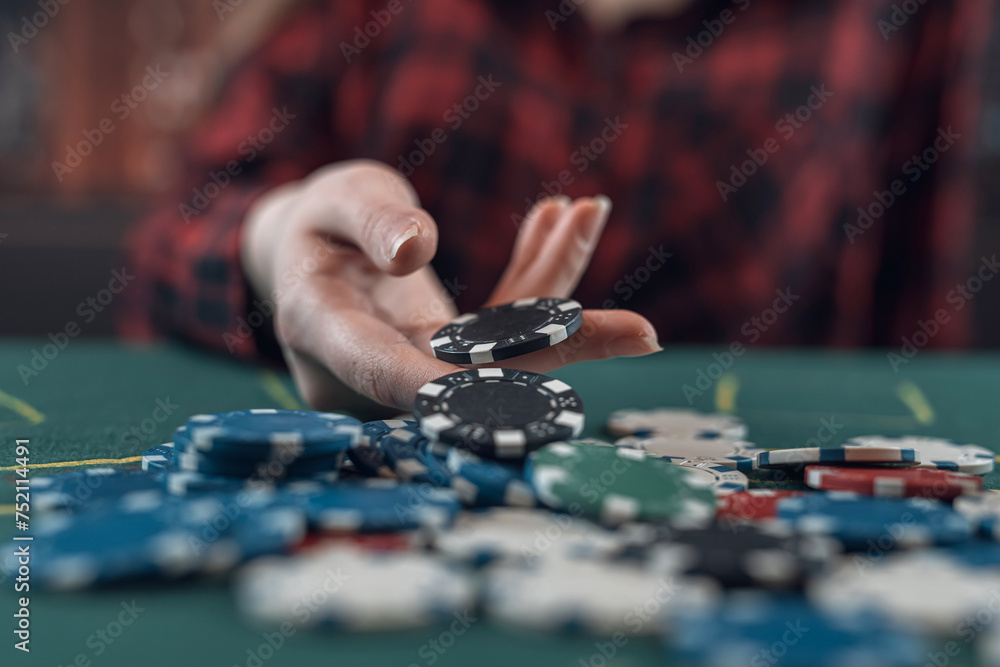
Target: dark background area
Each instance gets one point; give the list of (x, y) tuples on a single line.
[(60, 241)]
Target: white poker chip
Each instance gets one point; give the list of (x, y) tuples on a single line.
[(523, 536), (719, 451), (594, 596), (936, 452), (346, 587), (675, 423), (720, 479), (926, 589)]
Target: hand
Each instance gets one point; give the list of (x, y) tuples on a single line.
[(347, 250)]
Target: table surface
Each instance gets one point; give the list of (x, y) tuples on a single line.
[(100, 401)]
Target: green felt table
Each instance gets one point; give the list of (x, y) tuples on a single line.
[(105, 401)]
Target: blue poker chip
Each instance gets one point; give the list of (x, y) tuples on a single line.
[(269, 433), (177, 483), (366, 455), (750, 627), (267, 469), (159, 458), (91, 488), (400, 447), (860, 521), (484, 483), (147, 538), (373, 505)]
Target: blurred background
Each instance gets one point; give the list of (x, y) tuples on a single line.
[(60, 233)]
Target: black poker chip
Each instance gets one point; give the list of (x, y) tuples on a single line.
[(498, 413), (507, 331), (766, 556)]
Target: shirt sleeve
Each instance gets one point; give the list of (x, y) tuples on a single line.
[(271, 124)]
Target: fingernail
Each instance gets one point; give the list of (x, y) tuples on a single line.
[(562, 200), (603, 204), (410, 232), (632, 346)]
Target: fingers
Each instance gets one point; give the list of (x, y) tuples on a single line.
[(330, 324), (372, 207), (553, 249), (604, 334)]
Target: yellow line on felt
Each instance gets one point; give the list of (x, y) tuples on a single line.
[(911, 396), (725, 393), (67, 464), (276, 389), (21, 408), (6, 509)]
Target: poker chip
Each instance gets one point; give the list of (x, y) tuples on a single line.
[(484, 483), (523, 535), (767, 556), (145, 538), (928, 589), (159, 458), (721, 479), (270, 433), (935, 452), (675, 423), (583, 596), (386, 590), (883, 456), (187, 483), (751, 504), (508, 330), (498, 413), (720, 451), (859, 521), (400, 448), (372, 505), (90, 488), (366, 455), (618, 484), (755, 627), (982, 510), (893, 483), (267, 469)]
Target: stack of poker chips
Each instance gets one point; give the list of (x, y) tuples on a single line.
[(254, 447)]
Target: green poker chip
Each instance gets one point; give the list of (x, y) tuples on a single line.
[(614, 485)]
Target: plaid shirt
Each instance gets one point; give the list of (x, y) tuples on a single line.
[(783, 172)]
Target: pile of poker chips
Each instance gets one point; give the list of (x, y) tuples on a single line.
[(489, 499)]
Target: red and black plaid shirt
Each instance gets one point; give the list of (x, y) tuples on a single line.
[(739, 137)]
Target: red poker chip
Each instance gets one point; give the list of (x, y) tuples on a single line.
[(751, 505), (894, 482)]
